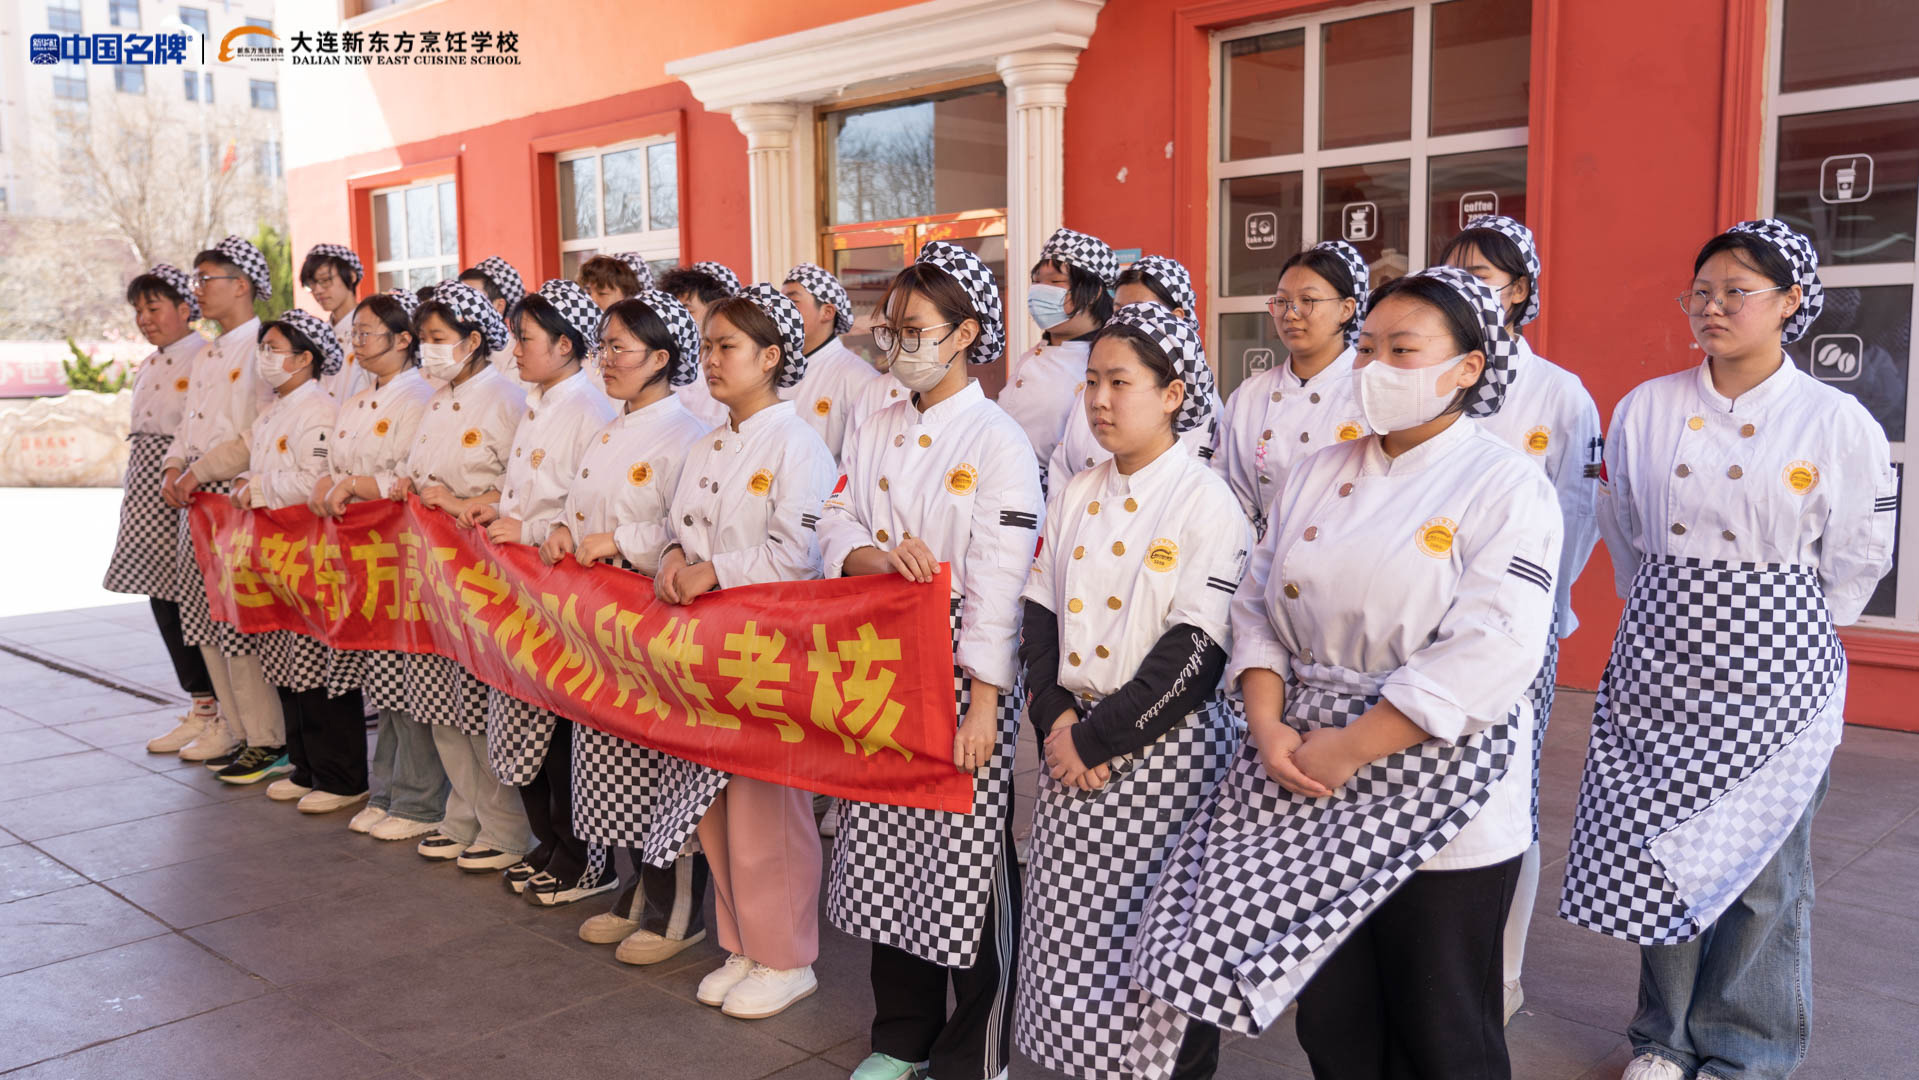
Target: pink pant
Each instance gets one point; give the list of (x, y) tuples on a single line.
[(764, 851)]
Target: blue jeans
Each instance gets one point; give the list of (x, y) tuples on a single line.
[(1737, 1000), (408, 779)]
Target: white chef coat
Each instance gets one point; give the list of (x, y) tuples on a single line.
[(224, 394), (1428, 571), (1275, 418), (958, 477), (1039, 392), (749, 500), (1078, 450), (826, 396), (1549, 416), (698, 399), (558, 424), (466, 435), (351, 378), (287, 447), (1123, 559), (627, 477), (376, 427), (1794, 472), (877, 394), (161, 383)]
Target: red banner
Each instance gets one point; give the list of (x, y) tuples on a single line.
[(842, 686)]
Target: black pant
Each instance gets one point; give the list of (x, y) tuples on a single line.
[(189, 666), (548, 799), (668, 900), (326, 739), (1417, 991), (910, 1020)]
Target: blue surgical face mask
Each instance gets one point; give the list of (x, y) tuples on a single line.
[(1047, 303)]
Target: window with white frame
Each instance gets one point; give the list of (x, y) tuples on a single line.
[(1841, 164), (624, 197), (1387, 125), (416, 234)]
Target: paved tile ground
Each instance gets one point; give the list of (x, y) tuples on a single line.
[(156, 923)]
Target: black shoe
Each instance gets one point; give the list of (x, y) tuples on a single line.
[(256, 763), (221, 762), (545, 890), (517, 875)]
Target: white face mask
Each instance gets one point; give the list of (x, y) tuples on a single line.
[(272, 367), (920, 373), (437, 360), (1395, 398)]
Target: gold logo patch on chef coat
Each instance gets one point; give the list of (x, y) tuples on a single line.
[(961, 479), (283, 444), (471, 438), (1349, 431), (1801, 477), (1162, 555), (1538, 439), (180, 384), (1436, 536), (823, 406), (382, 427), (538, 456), (640, 474), (761, 482), (234, 375)]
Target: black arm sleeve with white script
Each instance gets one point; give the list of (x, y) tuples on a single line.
[(1178, 675)]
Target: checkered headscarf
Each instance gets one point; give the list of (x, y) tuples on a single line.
[(637, 262), (241, 253), (720, 270), (1522, 238), (1486, 396), (343, 253), (471, 306), (686, 335), (1169, 275), (408, 299), (504, 278), (982, 288), (771, 300), (1804, 260), (1177, 338), (827, 290), (576, 306), (1362, 280), (180, 282), (318, 331), (1089, 253)]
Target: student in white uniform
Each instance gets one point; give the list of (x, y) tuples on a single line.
[(372, 438), (1280, 415), (744, 513), (455, 467), (1551, 418), (1749, 510), (332, 274), (1068, 301), (1362, 852), (495, 279), (1125, 635), (146, 553), (554, 330), (1154, 279), (615, 512), (224, 394), (836, 376), (699, 287), (609, 279), (944, 477)]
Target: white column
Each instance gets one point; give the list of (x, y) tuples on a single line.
[(769, 162), (1035, 170)]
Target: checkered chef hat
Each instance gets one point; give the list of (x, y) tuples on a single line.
[(1804, 260), (1522, 238), (982, 288), (504, 278), (408, 299), (318, 331), (180, 282), (827, 290), (1484, 398), (576, 306), (637, 262), (1089, 253), (343, 253), (1362, 280), (792, 330), (241, 253), (721, 271), (469, 305), (686, 334), (1179, 340), (1169, 275)]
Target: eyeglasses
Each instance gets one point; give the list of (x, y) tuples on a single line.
[(907, 338), (1302, 307), (1732, 301), (615, 356), (359, 336), (199, 280)]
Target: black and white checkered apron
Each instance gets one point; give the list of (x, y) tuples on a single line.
[(1540, 694), (1095, 859), (146, 552), (1715, 720), (616, 786), (921, 880), (292, 660), (440, 691), (197, 625), (517, 734), (379, 674), (1266, 884)]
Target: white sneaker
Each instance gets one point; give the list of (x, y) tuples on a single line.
[(1515, 1000), (643, 947), (211, 743), (285, 790), (191, 725), (1652, 1067), (399, 828), (719, 983), (768, 991), (607, 928), (439, 847), (326, 802), (365, 820)]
